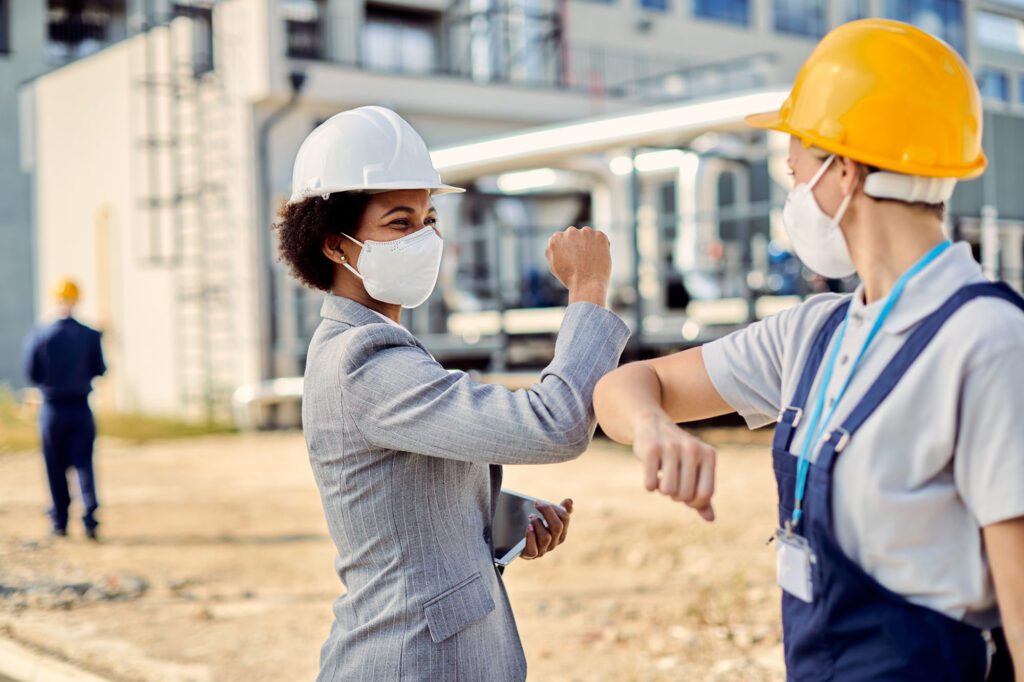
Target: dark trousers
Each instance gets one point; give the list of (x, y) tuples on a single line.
[(68, 432)]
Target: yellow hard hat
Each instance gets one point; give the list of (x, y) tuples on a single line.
[(65, 290), (888, 95)]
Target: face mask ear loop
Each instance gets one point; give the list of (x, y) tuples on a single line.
[(346, 265), (352, 270), (842, 208), (844, 205), (821, 171), (846, 200), (352, 238)]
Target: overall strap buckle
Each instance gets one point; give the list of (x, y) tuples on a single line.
[(840, 443), (789, 418), (797, 412)]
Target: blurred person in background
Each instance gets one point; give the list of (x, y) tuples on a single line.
[(62, 359), (408, 456), (899, 449)]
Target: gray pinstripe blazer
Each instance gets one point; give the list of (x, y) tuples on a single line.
[(407, 457)]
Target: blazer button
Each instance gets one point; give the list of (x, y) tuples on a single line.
[(487, 534)]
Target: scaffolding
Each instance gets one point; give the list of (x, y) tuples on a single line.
[(182, 154)]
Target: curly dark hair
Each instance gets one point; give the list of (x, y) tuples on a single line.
[(304, 225)]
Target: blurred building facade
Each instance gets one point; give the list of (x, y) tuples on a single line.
[(34, 38), (153, 163)]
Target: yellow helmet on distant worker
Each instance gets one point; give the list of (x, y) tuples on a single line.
[(888, 95), (65, 290)]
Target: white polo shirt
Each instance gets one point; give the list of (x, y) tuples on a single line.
[(941, 458)]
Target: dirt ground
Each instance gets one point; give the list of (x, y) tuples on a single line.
[(215, 564)]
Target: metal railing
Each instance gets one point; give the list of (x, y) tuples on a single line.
[(76, 36), (305, 39), (590, 70), (647, 77)]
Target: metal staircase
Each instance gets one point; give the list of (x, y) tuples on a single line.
[(188, 228)]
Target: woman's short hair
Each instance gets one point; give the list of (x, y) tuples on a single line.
[(303, 226)]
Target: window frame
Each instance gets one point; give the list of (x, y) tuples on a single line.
[(722, 18), (1004, 78), (401, 20), (316, 30), (894, 9), (666, 6), (5, 27), (794, 32)]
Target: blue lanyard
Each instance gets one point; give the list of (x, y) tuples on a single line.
[(816, 426)]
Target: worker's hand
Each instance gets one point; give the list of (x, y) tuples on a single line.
[(581, 259), (676, 464), (541, 540)]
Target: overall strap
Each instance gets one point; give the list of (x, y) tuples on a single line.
[(905, 357), (790, 417)]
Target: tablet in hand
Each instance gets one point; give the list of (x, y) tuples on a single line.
[(511, 516)]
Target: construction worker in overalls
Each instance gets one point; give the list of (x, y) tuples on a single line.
[(899, 449), (62, 359)]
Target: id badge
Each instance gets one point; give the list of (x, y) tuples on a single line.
[(793, 559)]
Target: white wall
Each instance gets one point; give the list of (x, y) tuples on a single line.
[(91, 180), (83, 153)]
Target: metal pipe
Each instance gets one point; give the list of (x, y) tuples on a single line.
[(990, 205), (638, 303), (267, 293)]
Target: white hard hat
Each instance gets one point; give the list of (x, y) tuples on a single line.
[(369, 149)]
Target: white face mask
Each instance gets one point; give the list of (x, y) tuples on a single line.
[(402, 272), (816, 237)]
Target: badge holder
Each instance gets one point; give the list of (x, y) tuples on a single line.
[(793, 559)]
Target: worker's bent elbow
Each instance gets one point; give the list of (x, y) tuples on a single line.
[(604, 393)]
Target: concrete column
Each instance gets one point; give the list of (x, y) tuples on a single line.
[(761, 16), (990, 241), (1013, 256)]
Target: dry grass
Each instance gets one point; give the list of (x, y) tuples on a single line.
[(19, 432)]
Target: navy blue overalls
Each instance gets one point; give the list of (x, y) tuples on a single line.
[(856, 629), (62, 359)]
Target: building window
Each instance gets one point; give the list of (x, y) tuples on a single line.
[(304, 22), (801, 17), (5, 33), (999, 32), (731, 11), (942, 18), (399, 40), (654, 5), (77, 28), (202, 35), (994, 85)]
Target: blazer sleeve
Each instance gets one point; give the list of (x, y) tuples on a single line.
[(400, 398)]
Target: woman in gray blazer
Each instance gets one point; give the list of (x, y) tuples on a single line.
[(408, 456)]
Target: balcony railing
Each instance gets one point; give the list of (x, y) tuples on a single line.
[(305, 39), (620, 75), (77, 36), (594, 71)]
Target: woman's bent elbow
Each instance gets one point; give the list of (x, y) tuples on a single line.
[(571, 443)]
